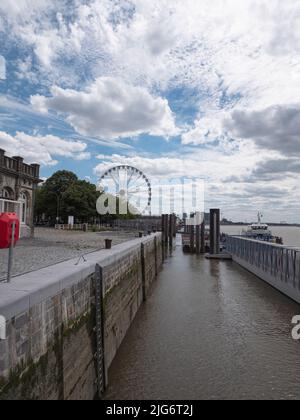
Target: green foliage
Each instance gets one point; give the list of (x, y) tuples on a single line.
[(65, 195), (60, 182)]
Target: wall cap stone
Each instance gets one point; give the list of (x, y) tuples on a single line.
[(32, 288)]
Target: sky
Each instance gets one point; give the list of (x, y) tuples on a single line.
[(176, 88)]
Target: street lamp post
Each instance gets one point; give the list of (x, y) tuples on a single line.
[(57, 208)]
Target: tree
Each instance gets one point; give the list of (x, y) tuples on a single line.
[(60, 182), (79, 200), (63, 195)]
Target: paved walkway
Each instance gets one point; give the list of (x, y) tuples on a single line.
[(52, 246)]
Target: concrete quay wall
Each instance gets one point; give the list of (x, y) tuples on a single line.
[(50, 345)]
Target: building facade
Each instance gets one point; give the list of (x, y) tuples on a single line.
[(18, 182)]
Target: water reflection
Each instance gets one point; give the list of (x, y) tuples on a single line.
[(210, 330)]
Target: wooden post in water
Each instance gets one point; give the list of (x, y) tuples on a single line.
[(166, 229), (163, 235), (198, 242), (203, 236), (214, 231), (171, 226), (192, 239), (175, 226), (163, 226)]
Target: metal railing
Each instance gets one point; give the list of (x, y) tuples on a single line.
[(139, 224), (280, 262), (127, 225)]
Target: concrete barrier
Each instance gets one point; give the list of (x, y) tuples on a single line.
[(276, 264), (50, 345)]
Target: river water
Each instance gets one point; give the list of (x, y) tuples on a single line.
[(209, 330), (290, 234)]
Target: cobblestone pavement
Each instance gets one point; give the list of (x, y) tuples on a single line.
[(52, 246)]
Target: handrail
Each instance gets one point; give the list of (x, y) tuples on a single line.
[(278, 261)]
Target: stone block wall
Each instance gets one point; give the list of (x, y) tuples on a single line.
[(122, 283), (49, 352), (149, 251)]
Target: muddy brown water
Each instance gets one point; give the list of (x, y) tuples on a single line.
[(209, 330)]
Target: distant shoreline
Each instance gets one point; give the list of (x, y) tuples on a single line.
[(270, 224)]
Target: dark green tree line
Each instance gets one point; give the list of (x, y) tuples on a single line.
[(63, 195)]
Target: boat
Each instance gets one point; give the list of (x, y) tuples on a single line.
[(261, 232)]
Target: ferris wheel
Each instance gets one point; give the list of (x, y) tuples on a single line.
[(130, 185)]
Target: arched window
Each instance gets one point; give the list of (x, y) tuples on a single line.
[(7, 197), (23, 202), (6, 193)]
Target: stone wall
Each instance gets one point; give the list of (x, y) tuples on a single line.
[(150, 255), (122, 284), (49, 352)]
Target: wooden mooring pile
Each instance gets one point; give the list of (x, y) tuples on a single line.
[(196, 239), (169, 229)]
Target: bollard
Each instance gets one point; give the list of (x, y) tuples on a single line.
[(108, 243)]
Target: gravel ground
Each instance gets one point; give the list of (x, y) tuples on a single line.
[(52, 246)]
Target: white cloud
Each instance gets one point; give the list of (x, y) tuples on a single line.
[(211, 164), (115, 61), (246, 48), (22, 8), (206, 129), (110, 108), (2, 68), (275, 128), (238, 200), (166, 42), (42, 149)]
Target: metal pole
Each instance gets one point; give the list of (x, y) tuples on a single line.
[(57, 208), (33, 211), (11, 253)]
